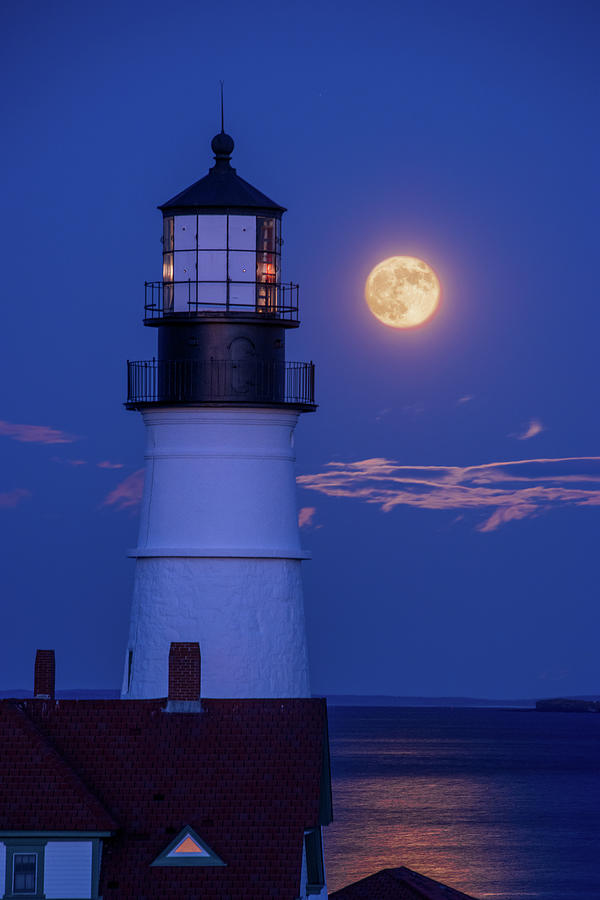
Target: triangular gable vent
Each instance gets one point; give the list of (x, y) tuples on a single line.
[(188, 850), (188, 846)]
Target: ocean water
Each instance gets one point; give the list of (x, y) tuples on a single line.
[(499, 803)]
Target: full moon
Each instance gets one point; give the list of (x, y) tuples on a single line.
[(402, 291)]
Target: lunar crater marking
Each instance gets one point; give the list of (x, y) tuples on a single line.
[(402, 291)]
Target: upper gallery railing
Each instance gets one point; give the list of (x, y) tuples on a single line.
[(251, 381), (193, 299)]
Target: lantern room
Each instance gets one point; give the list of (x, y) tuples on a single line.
[(221, 309), (221, 249)]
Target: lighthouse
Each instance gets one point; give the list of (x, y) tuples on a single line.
[(218, 557)]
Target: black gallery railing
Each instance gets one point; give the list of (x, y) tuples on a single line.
[(220, 381), (195, 298)]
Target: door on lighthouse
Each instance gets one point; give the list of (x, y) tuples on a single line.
[(242, 354)]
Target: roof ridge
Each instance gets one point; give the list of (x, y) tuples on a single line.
[(419, 882), (400, 881), (17, 711)]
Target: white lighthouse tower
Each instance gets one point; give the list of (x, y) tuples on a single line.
[(218, 556)]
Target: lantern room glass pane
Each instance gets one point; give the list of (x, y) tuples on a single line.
[(168, 234), (185, 279), (185, 265), (267, 233), (267, 267), (212, 232), (209, 294), (168, 282), (267, 263), (242, 295), (242, 233), (185, 232), (167, 267), (212, 266), (184, 296), (242, 265), (267, 297)]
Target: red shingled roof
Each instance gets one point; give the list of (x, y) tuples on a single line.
[(398, 884), (38, 790), (247, 775)]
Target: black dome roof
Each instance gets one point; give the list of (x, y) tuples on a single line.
[(222, 188)]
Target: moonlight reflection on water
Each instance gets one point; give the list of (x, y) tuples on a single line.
[(496, 803)]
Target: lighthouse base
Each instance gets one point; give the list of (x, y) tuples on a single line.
[(246, 614)]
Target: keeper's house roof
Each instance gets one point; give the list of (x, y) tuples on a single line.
[(398, 884), (245, 777)]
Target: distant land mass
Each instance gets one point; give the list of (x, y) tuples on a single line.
[(465, 702), (568, 704)]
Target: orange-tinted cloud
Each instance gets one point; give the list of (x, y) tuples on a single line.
[(106, 464), (306, 516), (35, 434), (128, 493), (503, 491), (68, 462), (10, 499), (534, 427)]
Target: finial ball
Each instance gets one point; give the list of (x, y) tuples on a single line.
[(222, 144)]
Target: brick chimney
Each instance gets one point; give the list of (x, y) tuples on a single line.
[(184, 677), (44, 671)]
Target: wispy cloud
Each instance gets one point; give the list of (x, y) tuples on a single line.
[(466, 399), (306, 516), (534, 427), (413, 409), (105, 464), (68, 462), (128, 493), (503, 491), (10, 499), (35, 434)]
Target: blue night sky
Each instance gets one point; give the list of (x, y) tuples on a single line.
[(464, 133)]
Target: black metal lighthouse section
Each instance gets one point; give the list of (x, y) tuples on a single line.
[(221, 308)]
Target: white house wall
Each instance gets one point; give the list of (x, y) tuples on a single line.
[(68, 870)]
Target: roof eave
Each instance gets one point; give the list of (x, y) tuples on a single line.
[(224, 209)]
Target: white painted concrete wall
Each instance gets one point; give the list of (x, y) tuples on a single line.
[(219, 482), (68, 869), (218, 556)]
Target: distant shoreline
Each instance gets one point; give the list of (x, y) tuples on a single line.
[(341, 700)]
